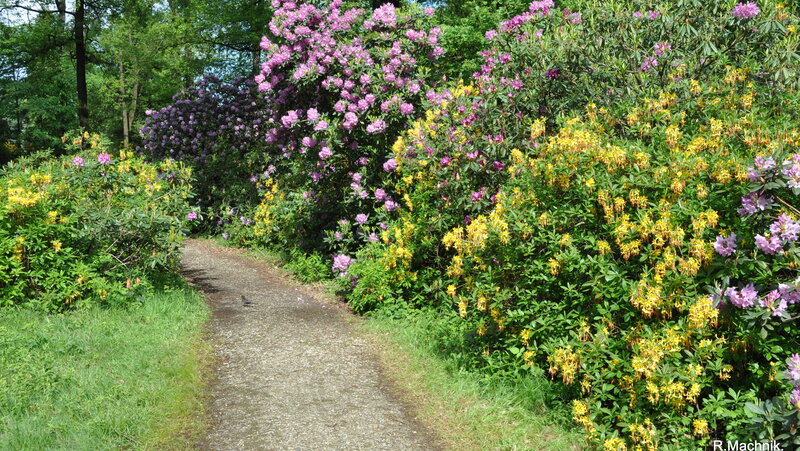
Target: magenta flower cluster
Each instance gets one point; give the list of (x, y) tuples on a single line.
[(745, 10)]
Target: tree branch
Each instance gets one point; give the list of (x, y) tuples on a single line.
[(38, 11)]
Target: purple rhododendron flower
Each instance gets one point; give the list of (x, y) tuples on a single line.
[(542, 5), (380, 194), (745, 10), (325, 153), (753, 202), (748, 295), (385, 15), (794, 398), (772, 301), (373, 237), (785, 228), (361, 218), (379, 126), (725, 246), (390, 205), (289, 119), (390, 165), (341, 263), (770, 246), (649, 63), (77, 161), (191, 216), (744, 299), (551, 73), (793, 368), (661, 48), (104, 158)]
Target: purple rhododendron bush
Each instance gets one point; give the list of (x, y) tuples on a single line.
[(611, 201)]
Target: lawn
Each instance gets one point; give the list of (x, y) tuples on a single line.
[(100, 378)]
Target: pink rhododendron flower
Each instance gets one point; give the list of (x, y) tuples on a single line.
[(745, 10), (390, 165), (793, 368), (725, 246), (341, 263)]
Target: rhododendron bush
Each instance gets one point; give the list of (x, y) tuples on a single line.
[(217, 128), (341, 84), (582, 211)]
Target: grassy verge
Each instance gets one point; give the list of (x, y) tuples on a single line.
[(126, 377), (466, 409)]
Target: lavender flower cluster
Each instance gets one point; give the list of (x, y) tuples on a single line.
[(782, 232), (207, 118)]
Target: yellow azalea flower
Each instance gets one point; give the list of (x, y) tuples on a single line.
[(700, 427)]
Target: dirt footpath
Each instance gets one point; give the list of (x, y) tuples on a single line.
[(291, 373)]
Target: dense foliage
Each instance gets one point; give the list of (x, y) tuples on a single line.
[(88, 227), (580, 209), (612, 197)]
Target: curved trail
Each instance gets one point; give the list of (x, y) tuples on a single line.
[(291, 373)]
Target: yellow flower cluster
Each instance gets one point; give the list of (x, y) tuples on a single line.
[(264, 215), (564, 361)]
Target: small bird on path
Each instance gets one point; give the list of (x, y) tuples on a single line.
[(246, 301)]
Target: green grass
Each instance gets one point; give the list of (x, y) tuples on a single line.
[(104, 378), (468, 409)]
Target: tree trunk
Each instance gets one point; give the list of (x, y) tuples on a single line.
[(256, 60), (80, 65), (132, 110), (123, 106), (61, 6)]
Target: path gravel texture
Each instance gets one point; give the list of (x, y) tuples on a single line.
[(291, 371)]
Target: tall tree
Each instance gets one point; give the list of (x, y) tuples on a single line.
[(59, 9), (234, 29), (145, 51)]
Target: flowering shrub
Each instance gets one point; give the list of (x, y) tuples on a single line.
[(760, 259), (341, 84), (216, 128), (80, 228), (587, 245), (567, 59), (589, 249)]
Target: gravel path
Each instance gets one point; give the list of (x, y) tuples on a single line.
[(291, 373)]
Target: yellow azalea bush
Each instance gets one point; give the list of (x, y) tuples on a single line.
[(78, 228), (586, 249)]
